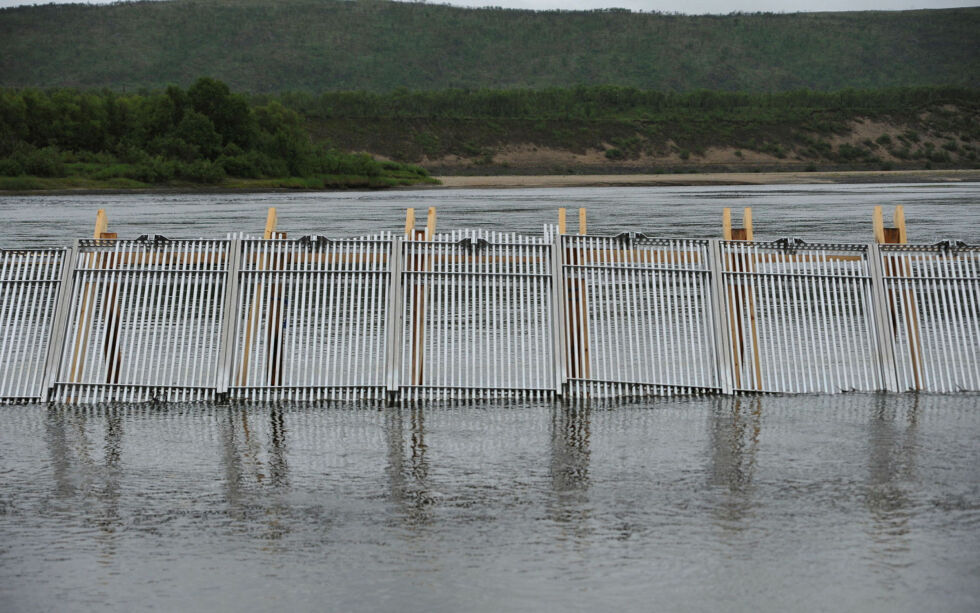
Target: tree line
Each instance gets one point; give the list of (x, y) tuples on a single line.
[(202, 134)]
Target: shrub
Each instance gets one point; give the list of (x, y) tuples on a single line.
[(45, 162), (615, 154), (10, 167), (201, 171)]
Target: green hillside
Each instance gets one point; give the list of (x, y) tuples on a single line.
[(615, 129), (326, 45)]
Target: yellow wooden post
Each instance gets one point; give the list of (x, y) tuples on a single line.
[(418, 314), (898, 218), (562, 226), (409, 223), (430, 226), (270, 223), (899, 235), (80, 351), (878, 225), (583, 301), (745, 233), (252, 322)]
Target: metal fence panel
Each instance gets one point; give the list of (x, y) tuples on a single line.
[(800, 317), (638, 316), (312, 319), (477, 318), (933, 294), (144, 321), (30, 281)]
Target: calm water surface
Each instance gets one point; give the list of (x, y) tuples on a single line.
[(854, 502), (848, 502), (836, 213)]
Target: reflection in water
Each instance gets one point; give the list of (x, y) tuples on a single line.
[(408, 482), (734, 429), (249, 494), (80, 478), (891, 469), (570, 457), (721, 506)]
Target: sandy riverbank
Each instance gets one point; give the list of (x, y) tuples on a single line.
[(741, 178)]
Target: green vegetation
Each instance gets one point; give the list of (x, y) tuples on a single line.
[(328, 45), (631, 127), (204, 135)]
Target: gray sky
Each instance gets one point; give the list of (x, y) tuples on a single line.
[(683, 6)]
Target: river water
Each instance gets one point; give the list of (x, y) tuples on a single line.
[(834, 213), (864, 502)]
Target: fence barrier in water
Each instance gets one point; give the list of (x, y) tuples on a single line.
[(482, 315)]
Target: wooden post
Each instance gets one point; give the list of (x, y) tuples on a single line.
[(419, 263), (79, 354), (270, 223), (898, 235), (409, 223), (577, 347), (878, 224), (744, 233), (252, 322), (430, 225)]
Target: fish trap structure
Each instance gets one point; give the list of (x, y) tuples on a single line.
[(477, 315)]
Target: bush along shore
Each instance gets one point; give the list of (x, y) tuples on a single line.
[(204, 136)]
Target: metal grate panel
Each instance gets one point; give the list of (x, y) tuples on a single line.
[(312, 319), (30, 282), (144, 321), (800, 317), (637, 316), (477, 318), (933, 297)]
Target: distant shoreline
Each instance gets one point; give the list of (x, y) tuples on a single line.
[(555, 181), (707, 179)]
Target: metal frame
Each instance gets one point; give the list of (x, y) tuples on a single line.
[(902, 308), (645, 320), (32, 284), (143, 321), (802, 317)]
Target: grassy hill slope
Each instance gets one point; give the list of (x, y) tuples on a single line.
[(608, 129), (326, 45)]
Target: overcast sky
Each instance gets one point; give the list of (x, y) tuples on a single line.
[(684, 6)]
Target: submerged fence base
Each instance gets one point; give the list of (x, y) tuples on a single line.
[(480, 315)]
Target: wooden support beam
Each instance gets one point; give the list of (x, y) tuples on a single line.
[(80, 351), (898, 218), (251, 323), (745, 265), (878, 225), (423, 264), (562, 224), (409, 223), (898, 235), (270, 223), (577, 305), (730, 233), (101, 224), (430, 225)]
